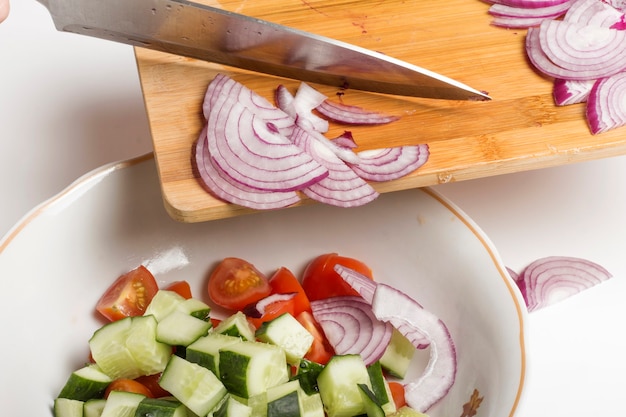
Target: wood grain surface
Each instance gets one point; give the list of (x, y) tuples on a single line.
[(520, 129)]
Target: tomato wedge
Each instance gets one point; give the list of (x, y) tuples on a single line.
[(129, 295), (397, 393), (284, 282), (320, 351), (320, 280), (235, 283), (128, 385), (182, 288), (151, 382)]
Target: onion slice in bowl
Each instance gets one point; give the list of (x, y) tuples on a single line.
[(406, 314), (350, 327), (555, 278)]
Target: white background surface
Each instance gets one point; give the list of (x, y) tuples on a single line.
[(69, 104)]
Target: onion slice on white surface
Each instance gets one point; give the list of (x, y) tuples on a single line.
[(606, 104), (342, 187), (388, 164), (555, 278), (404, 313), (225, 188), (351, 328)]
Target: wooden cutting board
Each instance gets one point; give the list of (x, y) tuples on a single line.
[(520, 129)]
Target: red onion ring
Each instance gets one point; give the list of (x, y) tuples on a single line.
[(530, 4), (606, 104), (594, 13), (353, 115), (566, 92), (555, 278), (351, 328), (390, 163)]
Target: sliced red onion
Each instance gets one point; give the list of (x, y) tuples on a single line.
[(566, 92), (530, 4), (300, 106), (366, 288), (225, 188), (257, 310), (406, 315), (547, 12), (555, 278), (516, 22), (595, 13), (353, 115), (251, 151), (351, 328), (342, 187), (390, 163), (345, 140), (606, 104)]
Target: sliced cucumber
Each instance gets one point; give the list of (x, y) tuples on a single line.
[(66, 407), (193, 385), (86, 383), (311, 405), (380, 388), (285, 331), (286, 406), (94, 408), (158, 407), (205, 350), (397, 357), (289, 399), (338, 385), (232, 408), (121, 404), (181, 329), (307, 373), (236, 325), (248, 368), (370, 402), (196, 308), (408, 412), (258, 404), (163, 303)]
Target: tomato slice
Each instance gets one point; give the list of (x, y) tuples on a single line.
[(129, 295), (397, 393), (151, 382), (320, 281), (320, 351), (182, 288), (283, 282), (272, 311), (128, 385), (235, 283)]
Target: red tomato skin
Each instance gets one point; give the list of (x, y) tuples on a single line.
[(283, 282), (152, 383), (319, 280), (397, 393), (128, 385), (272, 311), (321, 351), (182, 288), (129, 295), (235, 283)]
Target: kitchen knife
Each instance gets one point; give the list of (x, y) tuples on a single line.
[(198, 31)]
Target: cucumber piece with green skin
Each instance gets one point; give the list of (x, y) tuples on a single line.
[(205, 350), (128, 348), (236, 325), (94, 407), (338, 385), (86, 383), (181, 329), (196, 308), (193, 385), (248, 368), (258, 404), (163, 303), (232, 408), (121, 404), (285, 331), (307, 373), (287, 405), (397, 357), (66, 407), (370, 402), (158, 407), (380, 388)]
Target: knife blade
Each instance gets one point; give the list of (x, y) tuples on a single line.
[(207, 33)]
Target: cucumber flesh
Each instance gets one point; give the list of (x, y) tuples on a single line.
[(121, 404), (236, 325), (94, 408), (66, 407), (158, 407), (285, 331), (408, 412), (338, 385), (193, 385), (205, 350), (370, 402), (163, 303), (232, 408), (181, 329), (397, 357)]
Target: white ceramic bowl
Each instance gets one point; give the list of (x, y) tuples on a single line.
[(57, 261)]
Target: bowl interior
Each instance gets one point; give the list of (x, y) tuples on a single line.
[(56, 263)]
